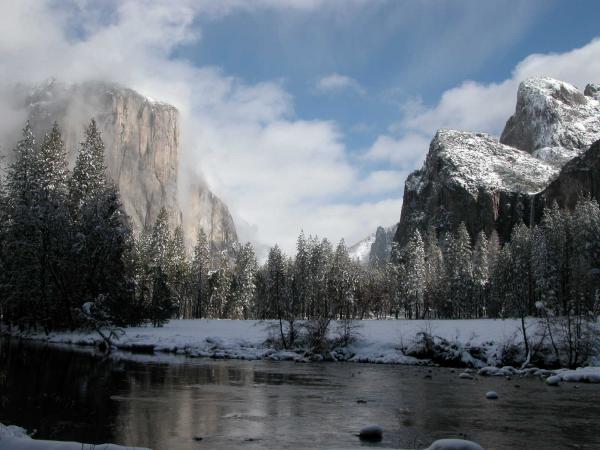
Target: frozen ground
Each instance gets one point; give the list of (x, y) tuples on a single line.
[(379, 341), (16, 438)]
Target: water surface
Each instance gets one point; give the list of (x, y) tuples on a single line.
[(187, 403)]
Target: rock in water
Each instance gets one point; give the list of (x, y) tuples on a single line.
[(491, 395), (553, 380), (466, 376), (372, 433), (454, 444)]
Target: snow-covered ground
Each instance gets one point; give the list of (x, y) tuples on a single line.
[(16, 438), (379, 341)]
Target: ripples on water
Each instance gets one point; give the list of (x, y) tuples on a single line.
[(206, 404)]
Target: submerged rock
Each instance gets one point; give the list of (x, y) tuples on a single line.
[(454, 444), (491, 395), (372, 433)]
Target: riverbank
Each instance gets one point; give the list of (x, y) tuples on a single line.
[(455, 343), (13, 437)]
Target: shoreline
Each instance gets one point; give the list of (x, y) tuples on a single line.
[(473, 344)]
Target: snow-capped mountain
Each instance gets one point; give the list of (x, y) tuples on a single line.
[(376, 245), (491, 184)]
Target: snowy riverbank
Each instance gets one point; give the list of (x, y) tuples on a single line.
[(459, 343), (16, 438)]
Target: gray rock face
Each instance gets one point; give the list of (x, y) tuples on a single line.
[(207, 211), (142, 151), (376, 247), (471, 178), (552, 113), (592, 90), (579, 176), (381, 248)]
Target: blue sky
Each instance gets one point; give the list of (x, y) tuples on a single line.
[(308, 114), (386, 48)]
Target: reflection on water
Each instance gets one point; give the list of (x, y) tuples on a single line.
[(206, 404)]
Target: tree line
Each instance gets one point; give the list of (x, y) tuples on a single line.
[(68, 255)]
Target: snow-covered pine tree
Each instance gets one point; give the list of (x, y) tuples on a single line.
[(414, 260), (555, 224), (458, 264), (301, 276), (243, 283), (162, 304), (199, 276), (341, 284), (434, 275), (89, 177), (102, 234), (178, 273), (220, 283), (481, 276)]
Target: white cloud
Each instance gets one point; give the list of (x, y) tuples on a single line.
[(405, 151), (485, 107), (337, 83), (279, 174), (383, 181)]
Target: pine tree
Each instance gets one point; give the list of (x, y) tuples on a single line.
[(457, 261), (162, 303), (481, 275), (199, 275), (178, 272), (220, 283), (301, 277), (89, 173), (414, 260), (434, 295), (22, 266), (243, 285)]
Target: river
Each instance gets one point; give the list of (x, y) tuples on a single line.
[(174, 403)]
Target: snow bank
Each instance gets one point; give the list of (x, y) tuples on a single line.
[(582, 374), (470, 343), (16, 438)]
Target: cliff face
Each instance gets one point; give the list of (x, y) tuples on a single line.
[(471, 178), (142, 139), (490, 185), (579, 176), (205, 210)]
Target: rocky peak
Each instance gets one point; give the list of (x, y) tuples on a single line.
[(552, 113), (375, 248), (471, 178)]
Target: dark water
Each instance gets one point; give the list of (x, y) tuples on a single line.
[(76, 395)]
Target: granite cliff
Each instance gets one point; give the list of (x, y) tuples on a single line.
[(143, 149)]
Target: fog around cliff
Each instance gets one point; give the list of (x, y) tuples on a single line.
[(277, 171)]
